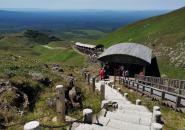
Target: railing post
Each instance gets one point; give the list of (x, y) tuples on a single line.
[(163, 95), (156, 116), (178, 101), (143, 88), (88, 78), (88, 115), (60, 103), (180, 82), (137, 87), (85, 76), (102, 90), (151, 91), (93, 83)]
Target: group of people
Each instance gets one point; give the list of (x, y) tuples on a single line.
[(93, 57), (122, 71)]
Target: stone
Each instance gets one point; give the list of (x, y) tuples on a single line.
[(156, 108), (138, 102), (126, 95), (156, 117), (156, 126), (33, 125), (88, 113)]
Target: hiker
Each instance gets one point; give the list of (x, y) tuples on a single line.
[(127, 74), (141, 73), (102, 73)]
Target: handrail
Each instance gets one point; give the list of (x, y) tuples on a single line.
[(163, 82), (178, 97)]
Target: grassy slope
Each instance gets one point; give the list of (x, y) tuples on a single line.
[(166, 30), (19, 56)]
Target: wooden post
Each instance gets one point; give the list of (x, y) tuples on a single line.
[(88, 78), (156, 116), (93, 83), (143, 88), (114, 79), (151, 91), (119, 79), (178, 101), (102, 90), (163, 95), (85, 76), (180, 82), (137, 87), (60, 103), (88, 116)]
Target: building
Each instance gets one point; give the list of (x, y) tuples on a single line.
[(133, 57)]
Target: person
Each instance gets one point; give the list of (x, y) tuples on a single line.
[(102, 73), (127, 73), (141, 73)]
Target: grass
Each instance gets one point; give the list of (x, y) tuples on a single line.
[(65, 56), (169, 70), (172, 120), (16, 61)]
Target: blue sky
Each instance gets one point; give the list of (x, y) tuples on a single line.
[(92, 4)]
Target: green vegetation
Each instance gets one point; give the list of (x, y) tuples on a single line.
[(23, 59), (162, 33)]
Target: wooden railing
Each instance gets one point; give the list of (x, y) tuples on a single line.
[(164, 89), (170, 85)]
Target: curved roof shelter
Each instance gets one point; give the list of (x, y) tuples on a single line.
[(130, 53)]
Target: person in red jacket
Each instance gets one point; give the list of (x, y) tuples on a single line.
[(102, 73)]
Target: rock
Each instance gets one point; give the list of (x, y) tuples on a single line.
[(36, 76)]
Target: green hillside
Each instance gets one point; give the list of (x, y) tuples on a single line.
[(165, 34)]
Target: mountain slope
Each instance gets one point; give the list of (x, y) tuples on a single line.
[(165, 34)]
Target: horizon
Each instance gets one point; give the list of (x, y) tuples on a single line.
[(104, 5)]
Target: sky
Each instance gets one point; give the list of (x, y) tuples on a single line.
[(92, 4)]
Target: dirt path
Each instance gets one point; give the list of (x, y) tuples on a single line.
[(52, 48)]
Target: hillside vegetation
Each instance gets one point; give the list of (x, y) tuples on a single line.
[(32, 64), (165, 34)]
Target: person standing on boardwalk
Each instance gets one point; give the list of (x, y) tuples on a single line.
[(102, 73)]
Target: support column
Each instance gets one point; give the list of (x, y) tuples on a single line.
[(144, 70), (60, 103)]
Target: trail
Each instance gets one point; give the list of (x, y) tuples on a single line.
[(52, 48), (127, 116)]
